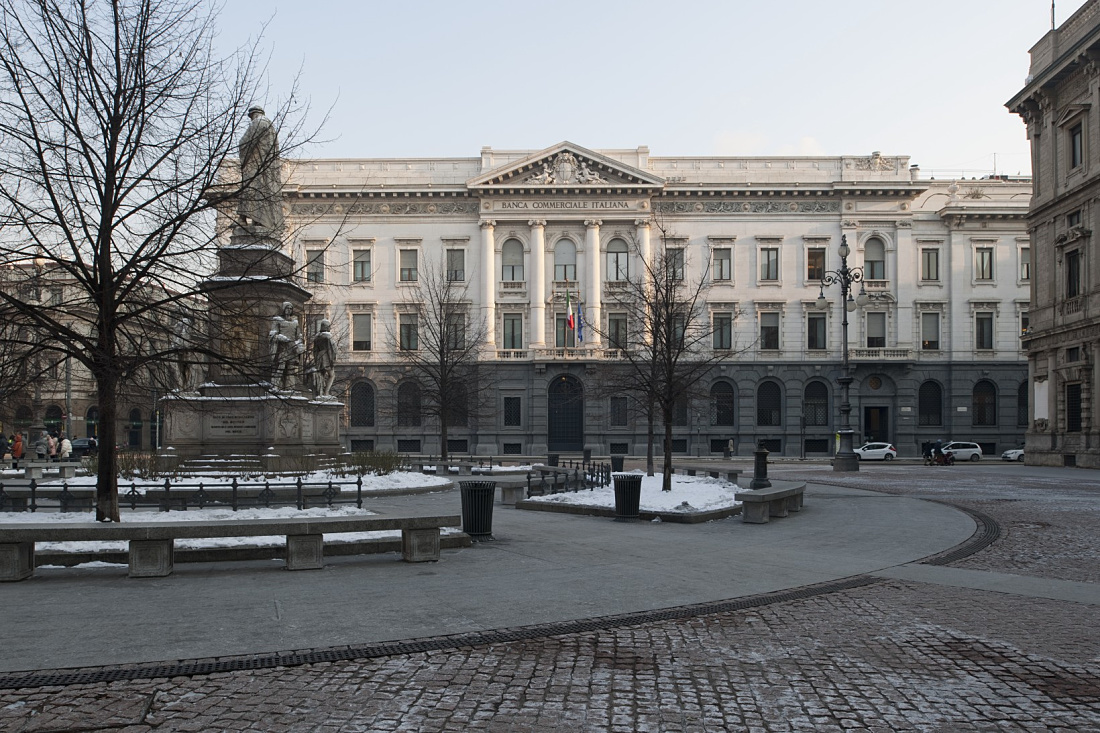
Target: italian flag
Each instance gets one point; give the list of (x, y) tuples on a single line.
[(569, 308)]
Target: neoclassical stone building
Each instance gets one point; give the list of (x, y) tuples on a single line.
[(935, 353), (1061, 106)]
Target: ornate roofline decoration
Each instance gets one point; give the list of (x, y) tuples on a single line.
[(566, 164)]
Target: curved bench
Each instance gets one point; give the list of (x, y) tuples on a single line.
[(152, 543), (760, 505)]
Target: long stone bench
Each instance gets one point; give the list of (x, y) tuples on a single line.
[(152, 543), (731, 474), (37, 469), (760, 505)]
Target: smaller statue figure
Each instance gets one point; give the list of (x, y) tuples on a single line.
[(587, 176), (188, 374), (261, 202), (546, 176), (287, 348), (324, 360)]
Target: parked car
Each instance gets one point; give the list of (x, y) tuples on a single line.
[(965, 451), (1014, 454), (876, 452), (82, 447)]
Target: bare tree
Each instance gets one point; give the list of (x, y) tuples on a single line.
[(117, 120), (439, 338), (666, 348)]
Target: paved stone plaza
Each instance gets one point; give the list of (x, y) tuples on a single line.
[(1001, 639)]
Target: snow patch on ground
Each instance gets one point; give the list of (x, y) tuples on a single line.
[(689, 494)]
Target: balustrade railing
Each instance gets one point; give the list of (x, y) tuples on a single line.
[(571, 476)]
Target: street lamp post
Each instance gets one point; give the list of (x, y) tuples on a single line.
[(845, 459)]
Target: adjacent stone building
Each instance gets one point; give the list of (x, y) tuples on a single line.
[(935, 353), (1060, 104)]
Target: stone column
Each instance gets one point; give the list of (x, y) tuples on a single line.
[(594, 296), (645, 248), (488, 282), (538, 282)]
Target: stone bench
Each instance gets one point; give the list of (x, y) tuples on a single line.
[(760, 505), (152, 543), (731, 474), (37, 469)]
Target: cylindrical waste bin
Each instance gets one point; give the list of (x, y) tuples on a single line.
[(628, 495), (617, 463), (477, 508), (551, 459)]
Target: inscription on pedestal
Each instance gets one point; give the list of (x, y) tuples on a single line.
[(233, 425)]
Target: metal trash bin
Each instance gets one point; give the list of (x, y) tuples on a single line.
[(617, 463), (628, 496), (477, 508)]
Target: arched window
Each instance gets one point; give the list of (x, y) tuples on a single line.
[(91, 422), (618, 261), (511, 257), (930, 404), (985, 403), (769, 405), (565, 260), (815, 404), (408, 405), (1021, 405), (874, 259), (54, 418), (134, 429), (457, 408), (722, 404), (362, 405)]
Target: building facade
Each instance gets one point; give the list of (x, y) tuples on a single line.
[(1060, 105), (935, 352)]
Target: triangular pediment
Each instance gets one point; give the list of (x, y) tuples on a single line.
[(565, 165)]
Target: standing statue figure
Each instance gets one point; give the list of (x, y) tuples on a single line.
[(188, 374), (324, 361), (287, 348), (261, 202)]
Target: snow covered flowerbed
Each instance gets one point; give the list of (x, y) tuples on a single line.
[(690, 494), (196, 515)]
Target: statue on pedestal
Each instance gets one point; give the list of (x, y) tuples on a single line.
[(324, 361), (287, 348), (188, 374), (261, 202)]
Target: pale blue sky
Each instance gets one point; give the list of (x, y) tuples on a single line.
[(925, 78)]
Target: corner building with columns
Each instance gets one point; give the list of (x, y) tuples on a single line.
[(935, 352)]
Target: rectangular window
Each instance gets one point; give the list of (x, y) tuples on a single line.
[(408, 259), (618, 265), (983, 263), (723, 331), (876, 330), (409, 332), (513, 331), (616, 331), (1076, 146), (1024, 323), (456, 265), (456, 331), (564, 336), (1073, 408), (315, 265), (360, 266), (815, 331), (930, 331), (360, 331), (618, 412), (930, 264), (769, 263), (983, 331), (1073, 273), (675, 262), (1025, 263), (1073, 219), (512, 414), (565, 272), (875, 269), (815, 263), (769, 331), (723, 264)]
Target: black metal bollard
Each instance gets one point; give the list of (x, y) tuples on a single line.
[(628, 496), (477, 508), (760, 468)]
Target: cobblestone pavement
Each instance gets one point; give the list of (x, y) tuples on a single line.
[(889, 656)]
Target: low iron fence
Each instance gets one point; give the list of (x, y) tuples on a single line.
[(570, 476)]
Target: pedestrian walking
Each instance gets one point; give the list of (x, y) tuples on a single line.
[(65, 449), (51, 446), (41, 446)]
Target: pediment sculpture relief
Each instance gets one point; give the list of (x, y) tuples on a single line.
[(564, 168)]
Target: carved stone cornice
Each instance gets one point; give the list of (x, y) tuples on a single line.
[(593, 223), (1072, 235), (641, 223), (767, 206), (385, 208), (536, 223), (487, 223)]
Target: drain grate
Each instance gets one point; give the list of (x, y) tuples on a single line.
[(987, 532), (188, 668)]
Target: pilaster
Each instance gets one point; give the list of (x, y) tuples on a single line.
[(488, 281), (593, 297), (538, 282)]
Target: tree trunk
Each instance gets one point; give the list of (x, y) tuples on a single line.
[(666, 483), (442, 434), (106, 487), (649, 441)]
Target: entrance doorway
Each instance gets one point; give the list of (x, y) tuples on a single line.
[(876, 424), (565, 414)]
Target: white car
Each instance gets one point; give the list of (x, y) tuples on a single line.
[(964, 451), (876, 452), (1015, 454)]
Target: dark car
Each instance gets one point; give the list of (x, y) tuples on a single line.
[(82, 447)]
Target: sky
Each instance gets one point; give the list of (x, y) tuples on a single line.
[(415, 78)]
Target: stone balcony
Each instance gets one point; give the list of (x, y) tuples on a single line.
[(880, 354)]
